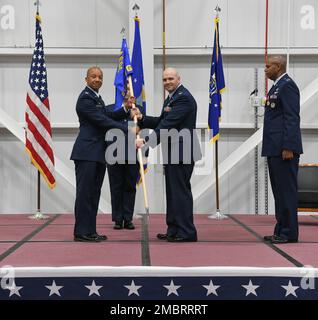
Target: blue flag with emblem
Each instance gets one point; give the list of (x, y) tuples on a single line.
[(216, 87), (136, 62), (124, 69), (138, 76)]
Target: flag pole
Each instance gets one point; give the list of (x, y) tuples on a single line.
[(38, 215), (37, 4), (218, 215), (164, 41), (164, 60), (288, 38), (139, 153), (141, 165), (266, 92), (136, 8)]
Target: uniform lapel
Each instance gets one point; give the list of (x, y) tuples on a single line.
[(96, 97), (276, 85), (101, 100), (271, 90), (166, 102), (169, 100)]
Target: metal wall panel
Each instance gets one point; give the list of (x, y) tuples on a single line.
[(96, 25)]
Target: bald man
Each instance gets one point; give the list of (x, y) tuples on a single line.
[(282, 146), (178, 114), (89, 154)]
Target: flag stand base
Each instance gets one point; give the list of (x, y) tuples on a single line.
[(39, 216), (218, 216), (141, 215), (138, 216)]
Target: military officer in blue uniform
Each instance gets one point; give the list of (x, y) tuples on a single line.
[(122, 176), (179, 113), (282, 146), (89, 154)]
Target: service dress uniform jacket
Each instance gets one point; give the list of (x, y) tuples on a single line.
[(89, 156), (179, 155), (282, 132)]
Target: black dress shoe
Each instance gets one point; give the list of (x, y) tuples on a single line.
[(268, 238), (181, 239), (162, 236), (101, 237), (129, 225), (280, 240), (118, 225), (88, 238)]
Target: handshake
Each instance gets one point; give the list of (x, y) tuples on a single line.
[(135, 112), (140, 143), (130, 104)]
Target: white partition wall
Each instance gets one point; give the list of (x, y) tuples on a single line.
[(80, 33)]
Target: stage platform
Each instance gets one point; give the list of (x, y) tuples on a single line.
[(229, 261)]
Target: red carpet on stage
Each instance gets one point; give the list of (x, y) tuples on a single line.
[(229, 261), (236, 241)]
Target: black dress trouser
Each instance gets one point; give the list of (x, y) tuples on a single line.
[(122, 183), (179, 217), (89, 181), (283, 176)]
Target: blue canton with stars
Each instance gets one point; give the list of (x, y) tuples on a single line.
[(37, 76)]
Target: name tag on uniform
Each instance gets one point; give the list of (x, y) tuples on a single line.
[(167, 109)]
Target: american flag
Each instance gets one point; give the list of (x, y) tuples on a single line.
[(38, 128)]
